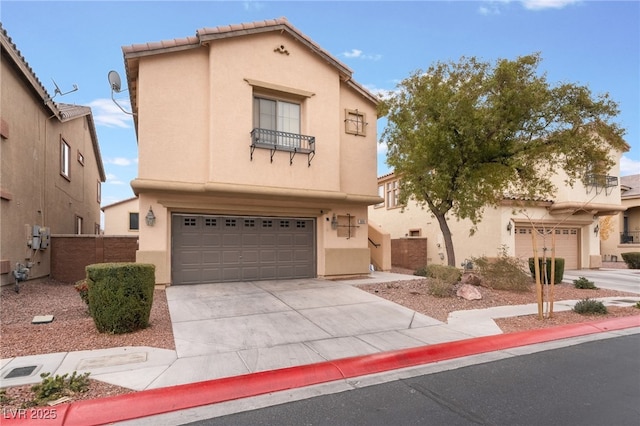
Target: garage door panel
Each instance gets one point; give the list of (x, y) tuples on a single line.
[(566, 244), (210, 257), (223, 248)]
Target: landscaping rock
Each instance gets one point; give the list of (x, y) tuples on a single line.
[(469, 292)]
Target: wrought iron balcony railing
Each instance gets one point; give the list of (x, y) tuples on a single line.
[(292, 143), (600, 182), (630, 237)]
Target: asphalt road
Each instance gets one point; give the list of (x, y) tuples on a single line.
[(594, 383)]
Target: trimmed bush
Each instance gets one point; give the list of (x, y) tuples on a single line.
[(449, 274), (559, 272), (632, 259), (590, 307), (584, 284), (503, 273), (440, 288), (120, 296)]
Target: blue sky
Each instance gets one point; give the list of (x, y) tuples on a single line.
[(592, 43)]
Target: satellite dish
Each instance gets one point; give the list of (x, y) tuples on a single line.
[(114, 81), (116, 86)]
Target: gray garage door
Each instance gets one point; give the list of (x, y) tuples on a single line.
[(212, 249)]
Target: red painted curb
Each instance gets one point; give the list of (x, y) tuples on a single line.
[(174, 398)]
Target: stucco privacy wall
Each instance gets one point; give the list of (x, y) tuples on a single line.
[(195, 155)]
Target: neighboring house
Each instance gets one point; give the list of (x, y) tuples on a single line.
[(257, 156), (621, 233), (51, 168), (572, 215), (122, 218)]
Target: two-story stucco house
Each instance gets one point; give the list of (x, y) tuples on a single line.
[(257, 156), (572, 215), (52, 170), (621, 233), (122, 217)]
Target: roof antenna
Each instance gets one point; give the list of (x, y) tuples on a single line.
[(116, 84), (59, 92)]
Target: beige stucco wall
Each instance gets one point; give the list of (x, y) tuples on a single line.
[(194, 137), (116, 217), (34, 192)]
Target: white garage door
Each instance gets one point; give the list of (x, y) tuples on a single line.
[(212, 249), (567, 244)]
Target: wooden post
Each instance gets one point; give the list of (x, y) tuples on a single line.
[(553, 273), (536, 268)]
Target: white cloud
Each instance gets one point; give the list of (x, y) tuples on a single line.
[(493, 7), (106, 113), (359, 54), (629, 166), (547, 4), (252, 6), (120, 161), (113, 180)]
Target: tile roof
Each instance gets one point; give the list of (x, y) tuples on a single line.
[(633, 183)]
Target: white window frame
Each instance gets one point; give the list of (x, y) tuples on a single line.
[(65, 159)]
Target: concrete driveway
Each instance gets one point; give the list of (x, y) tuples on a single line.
[(614, 279), (237, 328)]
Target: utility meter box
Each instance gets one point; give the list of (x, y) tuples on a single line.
[(45, 234)]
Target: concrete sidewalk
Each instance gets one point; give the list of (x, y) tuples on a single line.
[(225, 331)]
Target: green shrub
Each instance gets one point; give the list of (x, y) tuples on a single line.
[(584, 284), (632, 259), (450, 274), (638, 305), (120, 296), (440, 288), (503, 273), (52, 388), (590, 307), (559, 272)]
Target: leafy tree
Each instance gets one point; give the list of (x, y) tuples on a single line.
[(464, 135)]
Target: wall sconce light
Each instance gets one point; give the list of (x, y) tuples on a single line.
[(150, 217), (509, 227), (596, 229), (334, 222)]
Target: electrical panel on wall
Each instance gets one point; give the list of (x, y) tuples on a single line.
[(39, 238)]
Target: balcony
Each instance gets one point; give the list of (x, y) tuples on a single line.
[(630, 237), (292, 143), (600, 182)]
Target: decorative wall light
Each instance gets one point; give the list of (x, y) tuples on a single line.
[(509, 227), (334, 222), (596, 229), (150, 217)]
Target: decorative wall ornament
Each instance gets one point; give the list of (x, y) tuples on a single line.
[(281, 49)]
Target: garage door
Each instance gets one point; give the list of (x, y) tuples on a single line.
[(212, 249), (567, 244)]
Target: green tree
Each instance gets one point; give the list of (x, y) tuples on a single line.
[(464, 135)]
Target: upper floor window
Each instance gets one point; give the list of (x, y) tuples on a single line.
[(65, 159), (99, 192), (393, 193), (278, 115)]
